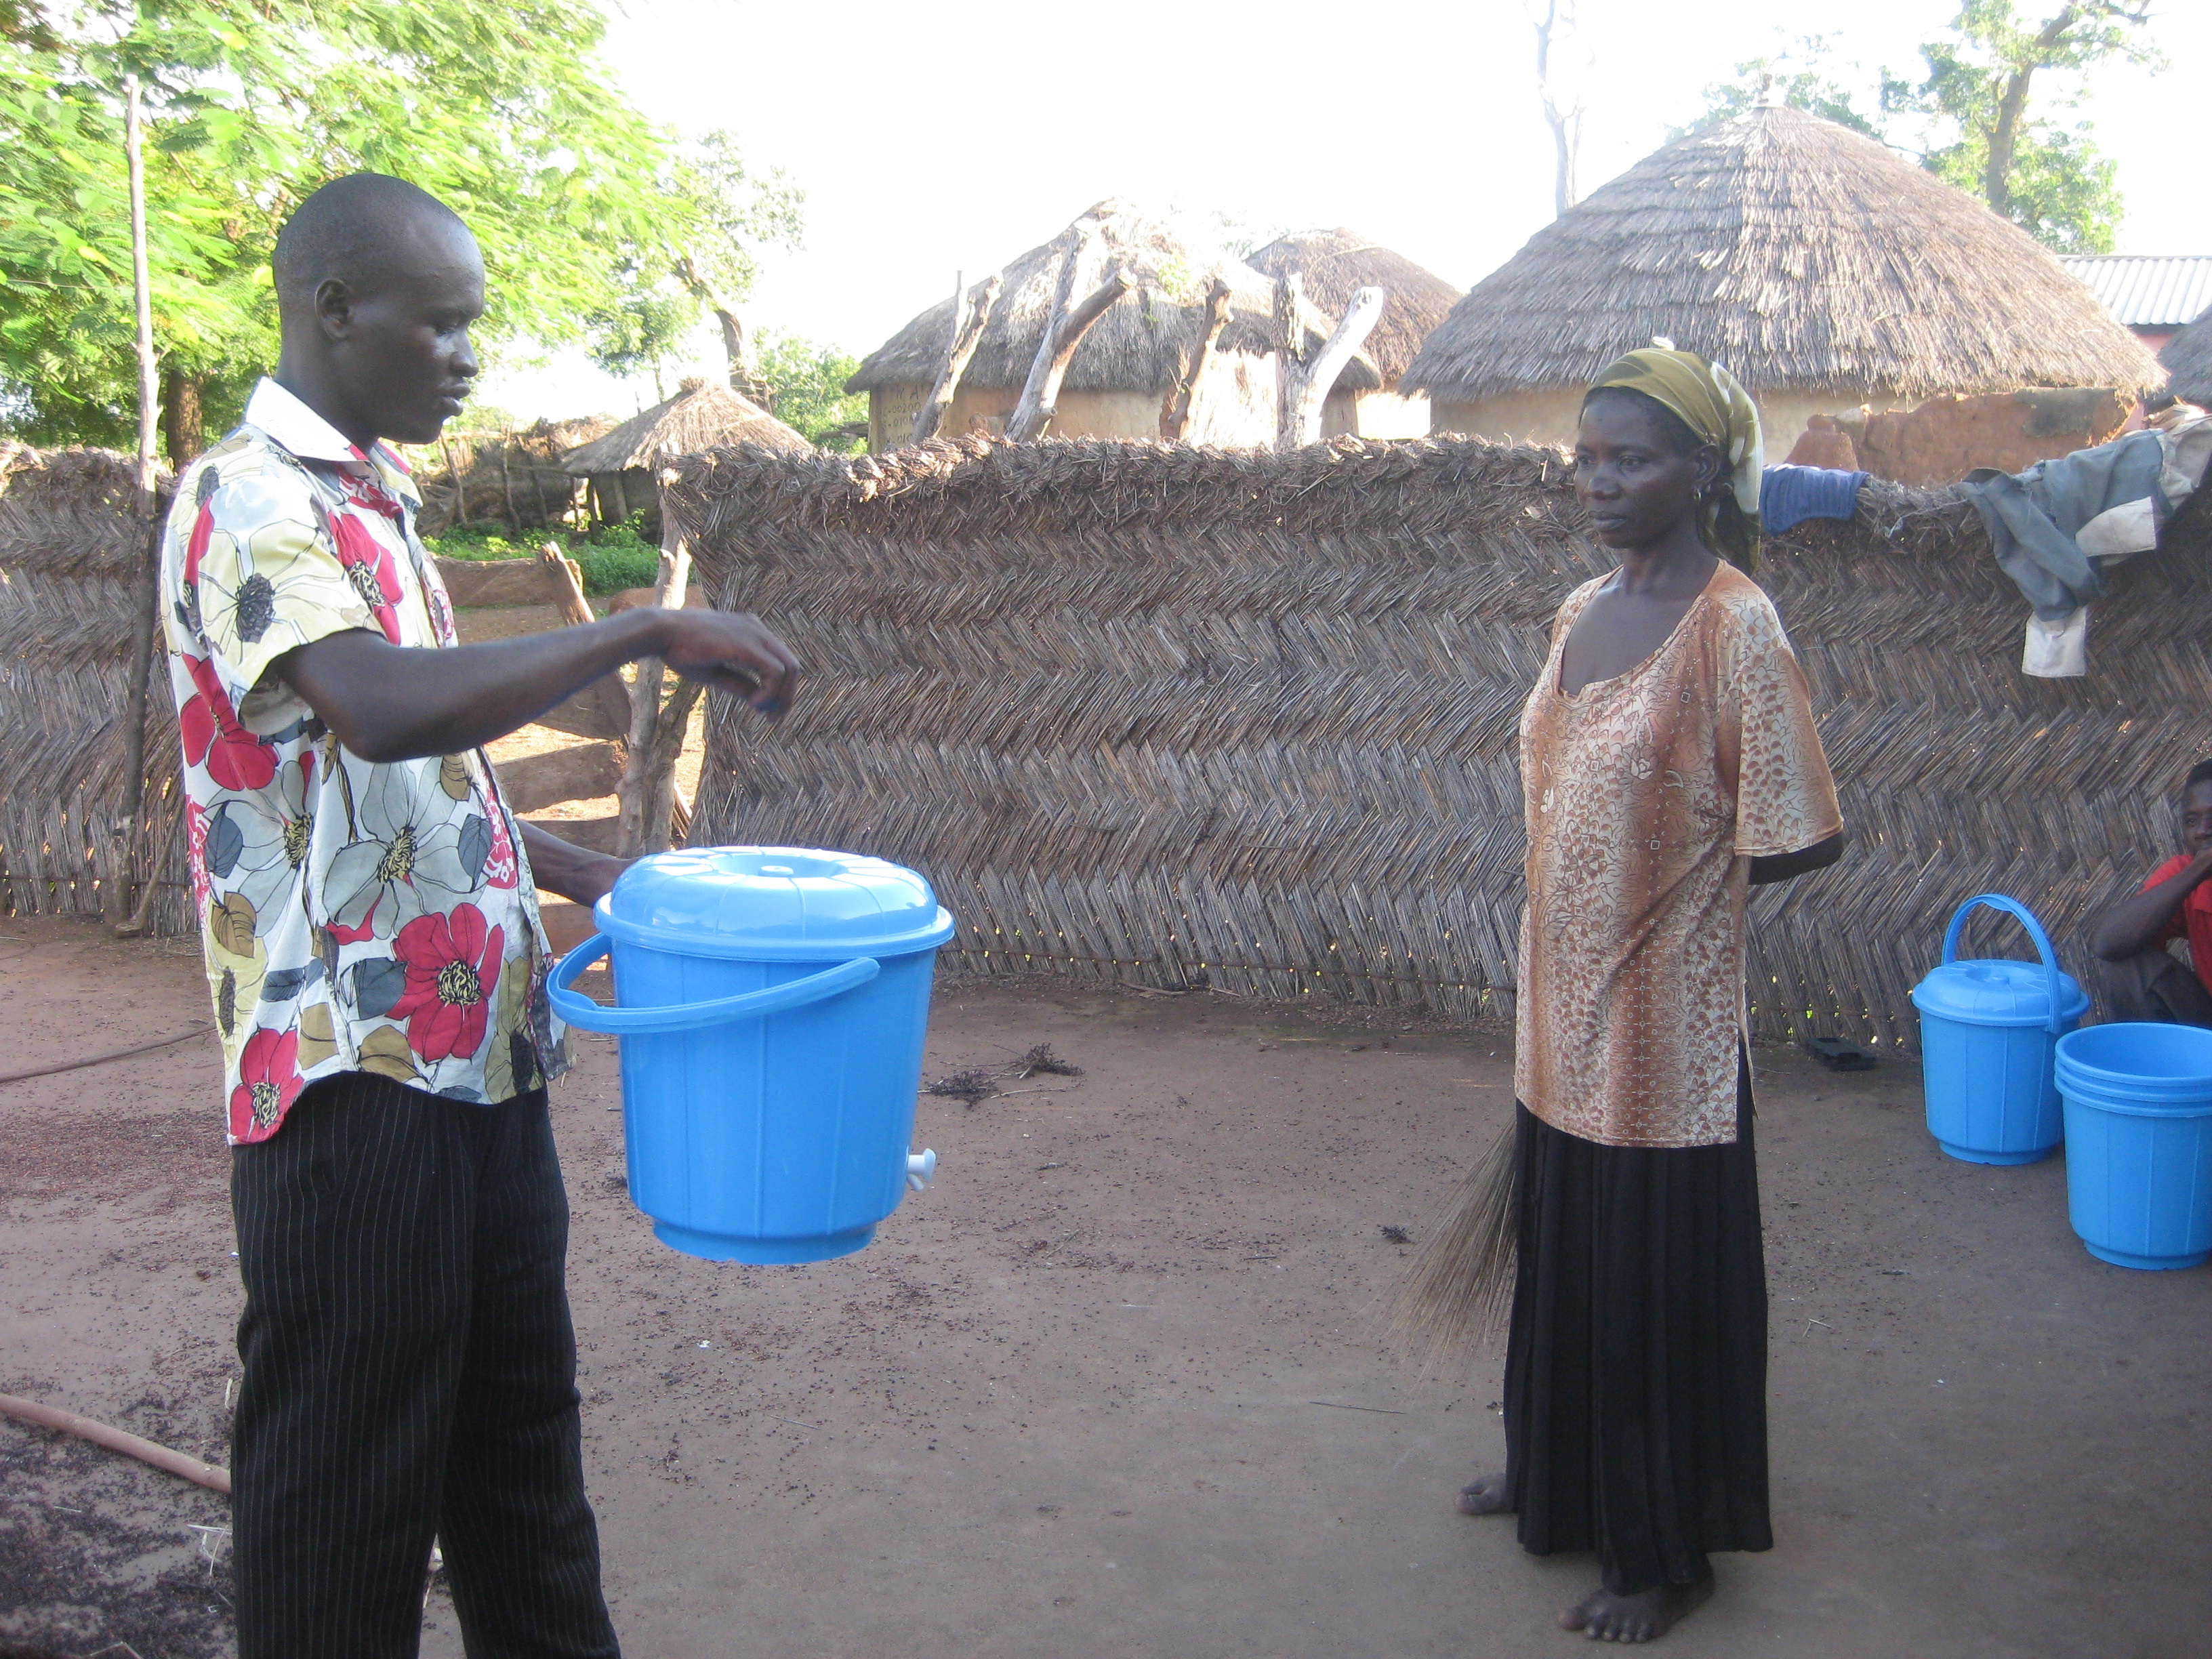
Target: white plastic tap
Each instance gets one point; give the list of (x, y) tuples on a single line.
[(920, 1167)]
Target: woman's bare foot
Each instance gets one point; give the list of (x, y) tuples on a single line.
[(1486, 1497), (1645, 1617)]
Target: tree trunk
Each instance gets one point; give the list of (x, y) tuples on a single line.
[(2004, 132), (967, 325), (184, 427), (1174, 423), (125, 837), (1565, 121), (649, 771), (1290, 293), (737, 339), (1317, 379), (1056, 349)]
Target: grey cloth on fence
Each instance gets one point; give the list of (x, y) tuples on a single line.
[(2034, 517), (2055, 527)]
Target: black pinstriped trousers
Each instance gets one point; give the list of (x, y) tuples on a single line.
[(410, 1369)]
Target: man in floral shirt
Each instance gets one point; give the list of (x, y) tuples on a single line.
[(368, 907)]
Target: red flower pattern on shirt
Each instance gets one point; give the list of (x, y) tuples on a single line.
[(234, 756), (368, 566), (452, 963), (268, 1082)]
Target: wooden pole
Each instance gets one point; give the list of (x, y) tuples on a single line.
[(642, 780), (1175, 425), (1039, 402), (115, 901), (968, 325), (1318, 378), (1290, 295), (1034, 412), (197, 1470)]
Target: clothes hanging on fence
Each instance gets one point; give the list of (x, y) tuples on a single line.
[(2056, 527), (1788, 496)]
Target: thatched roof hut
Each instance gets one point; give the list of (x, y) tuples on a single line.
[(1335, 265), (1128, 365), (2188, 362), (1826, 272), (701, 415)]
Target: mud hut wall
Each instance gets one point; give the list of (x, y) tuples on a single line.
[(67, 544), (1179, 717)]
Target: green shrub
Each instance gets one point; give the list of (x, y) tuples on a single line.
[(610, 570)]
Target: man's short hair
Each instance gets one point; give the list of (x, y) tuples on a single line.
[(2200, 773), (347, 230)]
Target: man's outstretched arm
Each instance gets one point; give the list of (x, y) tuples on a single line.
[(2134, 924), (389, 702)]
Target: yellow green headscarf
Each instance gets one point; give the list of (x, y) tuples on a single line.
[(1714, 406)]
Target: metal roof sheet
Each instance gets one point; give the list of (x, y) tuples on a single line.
[(2148, 291)]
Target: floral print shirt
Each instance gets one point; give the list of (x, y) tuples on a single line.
[(1648, 796), (354, 916)]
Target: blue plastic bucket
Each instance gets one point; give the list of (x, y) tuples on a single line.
[(1988, 1035), (2139, 1142), (772, 1003)]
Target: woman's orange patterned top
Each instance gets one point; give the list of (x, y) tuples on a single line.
[(1647, 794)]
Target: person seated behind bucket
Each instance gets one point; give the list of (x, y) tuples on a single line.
[(2141, 981)]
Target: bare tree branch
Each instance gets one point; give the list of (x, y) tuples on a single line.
[(1174, 420), (1064, 331), (968, 325)]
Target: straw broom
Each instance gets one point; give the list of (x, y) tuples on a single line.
[(1457, 1299)]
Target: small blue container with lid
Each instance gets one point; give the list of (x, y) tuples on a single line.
[(1989, 1036), (772, 1003)]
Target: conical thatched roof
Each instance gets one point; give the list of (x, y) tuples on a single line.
[(701, 415), (2188, 360), (1138, 345), (1337, 264), (1801, 254)]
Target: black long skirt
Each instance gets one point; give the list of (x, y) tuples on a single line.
[(1636, 1367)]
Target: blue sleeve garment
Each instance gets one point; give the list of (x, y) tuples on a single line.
[(1788, 496)]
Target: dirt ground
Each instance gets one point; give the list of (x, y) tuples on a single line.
[(1111, 1387)]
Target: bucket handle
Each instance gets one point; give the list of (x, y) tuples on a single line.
[(2026, 917), (578, 1008)]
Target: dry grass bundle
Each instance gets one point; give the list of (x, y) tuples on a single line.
[(1802, 254), (1457, 1298), (1141, 344), (1177, 717), (2188, 362), (69, 546)]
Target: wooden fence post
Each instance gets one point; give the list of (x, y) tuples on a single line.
[(649, 773), (115, 896), (968, 325)]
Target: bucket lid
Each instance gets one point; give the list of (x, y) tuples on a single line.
[(773, 904), (1999, 991)]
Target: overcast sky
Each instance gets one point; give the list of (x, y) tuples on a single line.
[(935, 138)]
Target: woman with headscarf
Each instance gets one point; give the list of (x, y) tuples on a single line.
[(1669, 761)]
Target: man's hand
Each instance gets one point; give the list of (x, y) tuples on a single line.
[(390, 702), (733, 651)]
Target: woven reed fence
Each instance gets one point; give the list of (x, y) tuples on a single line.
[(1186, 717), (69, 544)]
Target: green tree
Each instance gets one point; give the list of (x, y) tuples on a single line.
[(806, 387), (726, 214), (507, 112), (1972, 113), (1802, 77), (2048, 178)]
